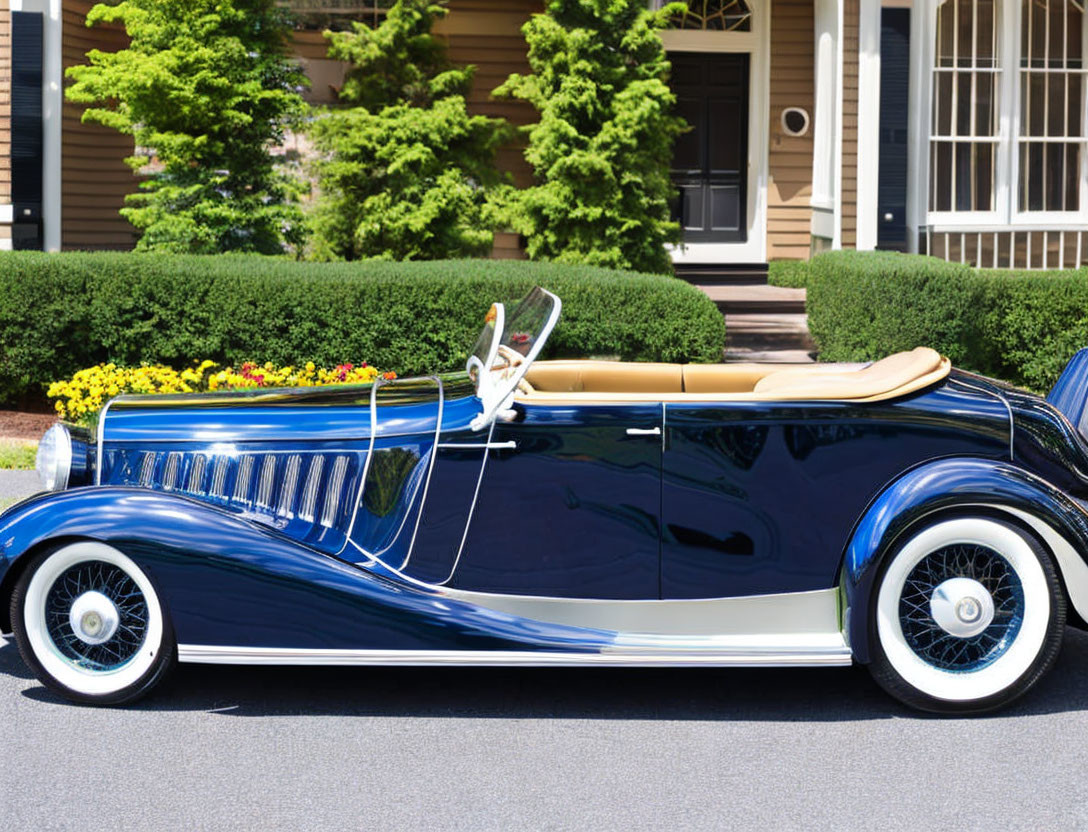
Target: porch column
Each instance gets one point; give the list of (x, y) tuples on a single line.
[(827, 126), (868, 123)]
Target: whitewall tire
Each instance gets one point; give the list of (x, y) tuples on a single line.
[(90, 624), (968, 614)]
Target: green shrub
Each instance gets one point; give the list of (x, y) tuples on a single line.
[(1035, 322), (404, 171), (790, 274), (1019, 326), (61, 313), (602, 148), (206, 88)]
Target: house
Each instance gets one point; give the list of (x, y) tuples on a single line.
[(953, 127)]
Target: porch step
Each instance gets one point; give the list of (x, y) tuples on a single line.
[(718, 274), (768, 338), (756, 299)]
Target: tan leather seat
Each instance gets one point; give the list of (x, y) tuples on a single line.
[(605, 377), (724, 378), (617, 381), (878, 378)]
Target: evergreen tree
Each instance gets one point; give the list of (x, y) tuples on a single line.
[(404, 171), (602, 148), (207, 89)]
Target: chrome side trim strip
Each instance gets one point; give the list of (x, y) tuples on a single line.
[(478, 446), (792, 615), (751, 657)]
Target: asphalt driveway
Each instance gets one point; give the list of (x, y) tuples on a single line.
[(403, 748)]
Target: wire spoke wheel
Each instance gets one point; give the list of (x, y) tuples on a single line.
[(952, 650), (968, 615), (110, 586), (89, 623)]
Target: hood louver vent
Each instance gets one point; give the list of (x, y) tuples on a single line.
[(307, 494)]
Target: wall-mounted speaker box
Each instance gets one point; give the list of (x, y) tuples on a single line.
[(26, 129)]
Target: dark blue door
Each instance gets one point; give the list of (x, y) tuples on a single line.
[(894, 106), (710, 160), (572, 511)]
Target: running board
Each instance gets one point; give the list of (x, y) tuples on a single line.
[(777, 656)]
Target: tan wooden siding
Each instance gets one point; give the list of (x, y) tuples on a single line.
[(5, 111), (94, 177), (851, 15), (789, 214)]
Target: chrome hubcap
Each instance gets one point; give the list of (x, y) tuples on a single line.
[(94, 618), (962, 607)]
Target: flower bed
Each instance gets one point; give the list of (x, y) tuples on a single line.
[(80, 398)]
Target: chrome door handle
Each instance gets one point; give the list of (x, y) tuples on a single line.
[(644, 431), (470, 446)]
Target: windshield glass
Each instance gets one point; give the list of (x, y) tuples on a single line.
[(529, 322), (522, 333), (484, 351)]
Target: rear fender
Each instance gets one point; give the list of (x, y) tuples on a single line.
[(953, 485)]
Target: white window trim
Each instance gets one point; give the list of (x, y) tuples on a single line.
[(1006, 214), (757, 44)]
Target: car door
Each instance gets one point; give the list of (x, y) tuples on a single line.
[(572, 507)]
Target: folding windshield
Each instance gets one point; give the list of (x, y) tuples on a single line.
[(507, 346)]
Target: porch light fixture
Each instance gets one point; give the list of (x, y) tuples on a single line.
[(795, 121)]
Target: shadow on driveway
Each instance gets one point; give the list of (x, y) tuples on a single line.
[(774, 694)]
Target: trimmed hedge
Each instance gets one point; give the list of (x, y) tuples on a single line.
[(1019, 326), (791, 274), (63, 312)]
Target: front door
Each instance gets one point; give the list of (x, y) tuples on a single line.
[(571, 508), (710, 162)]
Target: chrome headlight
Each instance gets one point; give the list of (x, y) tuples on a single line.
[(54, 461)]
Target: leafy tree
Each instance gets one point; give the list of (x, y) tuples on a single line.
[(206, 88), (404, 171), (602, 148)]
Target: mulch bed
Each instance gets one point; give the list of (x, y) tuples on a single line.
[(16, 424)]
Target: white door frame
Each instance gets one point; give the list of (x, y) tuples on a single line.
[(757, 44)]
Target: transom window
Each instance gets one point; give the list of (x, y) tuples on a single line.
[(1007, 132), (713, 15), (317, 15)]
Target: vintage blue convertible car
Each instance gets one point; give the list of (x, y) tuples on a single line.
[(927, 522)]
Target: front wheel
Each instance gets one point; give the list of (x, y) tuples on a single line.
[(968, 615), (90, 625)]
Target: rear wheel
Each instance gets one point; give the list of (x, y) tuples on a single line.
[(89, 623), (968, 615)]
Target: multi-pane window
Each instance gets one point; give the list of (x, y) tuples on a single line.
[(965, 126), (713, 15), (1051, 104), (1008, 114)]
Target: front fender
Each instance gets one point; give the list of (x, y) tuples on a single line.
[(228, 581), (951, 484)]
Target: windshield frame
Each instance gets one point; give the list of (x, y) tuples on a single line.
[(496, 387)]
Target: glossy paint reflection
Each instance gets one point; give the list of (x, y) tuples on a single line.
[(573, 511), (760, 497)]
